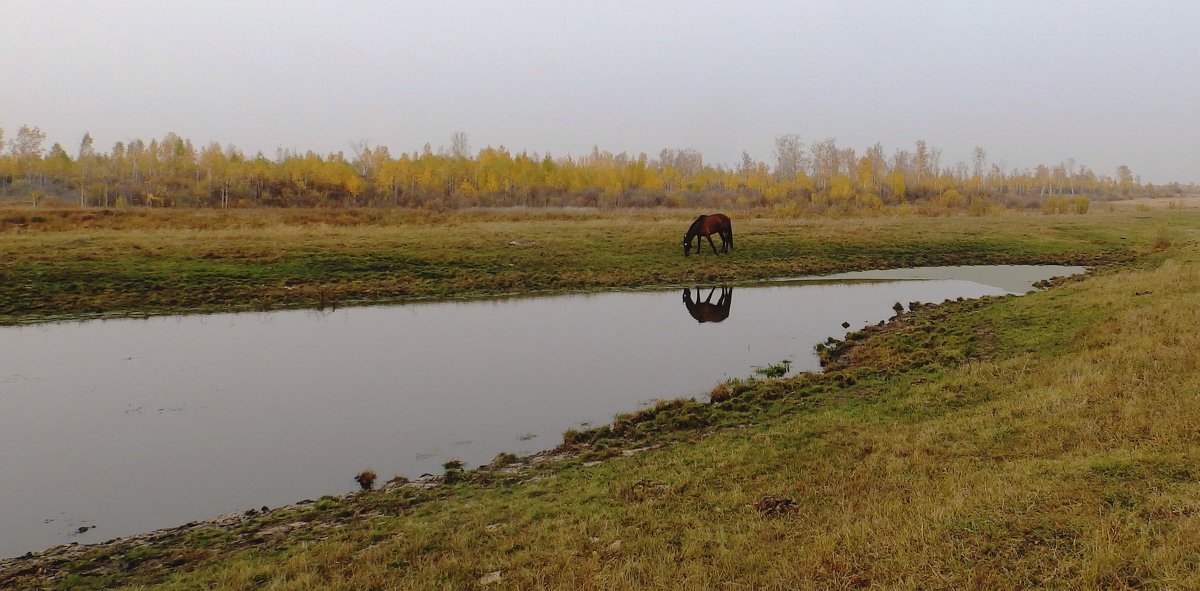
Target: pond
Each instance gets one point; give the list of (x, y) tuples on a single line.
[(123, 426)]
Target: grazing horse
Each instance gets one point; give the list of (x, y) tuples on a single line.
[(704, 227), (707, 311)]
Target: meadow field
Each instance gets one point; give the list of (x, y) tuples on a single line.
[(79, 263), (1042, 441)]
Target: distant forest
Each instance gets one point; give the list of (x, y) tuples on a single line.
[(804, 178)]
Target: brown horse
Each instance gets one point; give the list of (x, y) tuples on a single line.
[(707, 311), (704, 227)]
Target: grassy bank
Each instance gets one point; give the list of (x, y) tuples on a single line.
[(1045, 441), (80, 263)]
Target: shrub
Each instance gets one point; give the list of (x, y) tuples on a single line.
[(950, 199)]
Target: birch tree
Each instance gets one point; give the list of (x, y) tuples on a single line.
[(789, 156)]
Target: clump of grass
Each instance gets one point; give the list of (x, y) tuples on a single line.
[(720, 393), (326, 503), (770, 505), (573, 437), (502, 459), (732, 388), (1162, 239), (599, 454), (366, 479), (454, 471)]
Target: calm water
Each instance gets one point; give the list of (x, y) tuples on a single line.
[(132, 425)]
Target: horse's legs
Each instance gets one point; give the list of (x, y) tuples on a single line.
[(710, 295), (711, 243)]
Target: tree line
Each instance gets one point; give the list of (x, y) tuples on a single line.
[(818, 177)]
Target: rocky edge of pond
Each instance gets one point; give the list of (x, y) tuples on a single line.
[(165, 550), (255, 527)]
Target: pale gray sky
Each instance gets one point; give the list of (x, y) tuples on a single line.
[(1103, 82)]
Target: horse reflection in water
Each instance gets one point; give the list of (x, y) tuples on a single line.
[(706, 311)]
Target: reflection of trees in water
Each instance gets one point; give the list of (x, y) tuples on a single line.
[(705, 310)]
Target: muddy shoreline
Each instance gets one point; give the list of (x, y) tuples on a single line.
[(269, 526)]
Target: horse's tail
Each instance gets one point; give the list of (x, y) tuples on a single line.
[(729, 227)]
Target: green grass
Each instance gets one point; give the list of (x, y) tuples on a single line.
[(186, 261), (1044, 441)]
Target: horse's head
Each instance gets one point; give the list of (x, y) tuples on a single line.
[(687, 240)]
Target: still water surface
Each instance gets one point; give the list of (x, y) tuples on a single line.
[(130, 425)]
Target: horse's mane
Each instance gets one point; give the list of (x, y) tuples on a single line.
[(695, 227)]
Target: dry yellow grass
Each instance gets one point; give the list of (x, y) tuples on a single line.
[(1157, 203)]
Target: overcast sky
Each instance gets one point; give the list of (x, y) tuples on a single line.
[(1105, 83)]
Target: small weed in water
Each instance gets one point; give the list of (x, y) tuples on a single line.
[(775, 370)]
